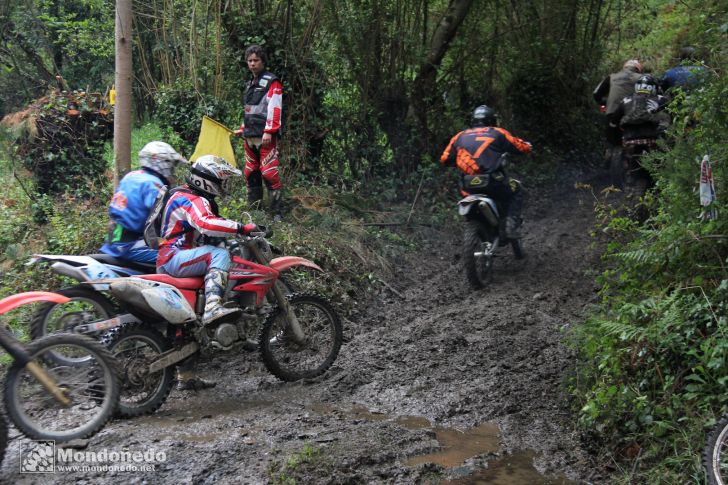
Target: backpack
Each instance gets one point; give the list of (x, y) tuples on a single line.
[(153, 224), (640, 110)]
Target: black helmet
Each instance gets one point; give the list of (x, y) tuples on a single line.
[(646, 84), (483, 116)]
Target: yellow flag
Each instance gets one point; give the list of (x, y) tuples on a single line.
[(214, 140)]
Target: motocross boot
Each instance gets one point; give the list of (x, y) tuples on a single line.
[(188, 381), (275, 204), (255, 196), (215, 282), (513, 226)]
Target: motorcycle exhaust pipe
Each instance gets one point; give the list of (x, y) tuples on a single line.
[(66, 269), (488, 213)]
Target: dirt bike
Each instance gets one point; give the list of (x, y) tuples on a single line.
[(47, 401), (87, 302), (715, 453), (300, 335), (484, 228)]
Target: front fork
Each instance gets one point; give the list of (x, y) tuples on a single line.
[(296, 333), (19, 354)]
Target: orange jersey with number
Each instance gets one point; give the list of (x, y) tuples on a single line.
[(478, 150)]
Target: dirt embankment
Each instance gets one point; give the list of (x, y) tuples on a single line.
[(473, 377)]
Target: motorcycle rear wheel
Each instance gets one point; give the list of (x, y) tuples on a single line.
[(478, 268), (320, 324), (135, 346), (715, 454), (86, 305), (92, 386), (3, 436)]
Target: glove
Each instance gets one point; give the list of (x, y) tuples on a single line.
[(247, 228)]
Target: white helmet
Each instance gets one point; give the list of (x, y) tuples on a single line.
[(209, 173), (161, 158)]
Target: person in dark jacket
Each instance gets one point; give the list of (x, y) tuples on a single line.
[(261, 129), (479, 150), (612, 90)]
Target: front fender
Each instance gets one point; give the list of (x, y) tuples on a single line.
[(285, 262), (13, 302)]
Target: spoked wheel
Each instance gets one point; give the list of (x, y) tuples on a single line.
[(135, 347), (3, 436), (715, 455), (291, 361), (477, 255), (86, 305), (92, 386)]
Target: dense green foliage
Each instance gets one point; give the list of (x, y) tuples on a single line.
[(654, 359), (60, 138)]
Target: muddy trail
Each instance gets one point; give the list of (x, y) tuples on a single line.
[(435, 383)]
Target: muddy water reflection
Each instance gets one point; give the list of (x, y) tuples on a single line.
[(457, 446), (516, 469)]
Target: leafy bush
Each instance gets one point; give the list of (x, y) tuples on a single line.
[(60, 138), (180, 110), (654, 360)]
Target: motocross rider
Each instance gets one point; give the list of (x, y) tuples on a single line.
[(478, 150), (643, 118), (134, 198), (191, 212)]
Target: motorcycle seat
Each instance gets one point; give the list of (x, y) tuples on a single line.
[(181, 283), (108, 259)]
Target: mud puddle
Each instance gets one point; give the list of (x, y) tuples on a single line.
[(516, 469), (457, 446)]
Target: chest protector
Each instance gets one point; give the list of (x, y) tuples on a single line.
[(256, 104)]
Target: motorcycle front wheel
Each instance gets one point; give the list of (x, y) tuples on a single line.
[(291, 361), (86, 305), (135, 346), (477, 260), (92, 387), (715, 454)]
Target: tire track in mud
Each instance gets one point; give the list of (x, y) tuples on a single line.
[(439, 356)]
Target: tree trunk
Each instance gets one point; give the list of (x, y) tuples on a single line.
[(123, 80), (423, 91)]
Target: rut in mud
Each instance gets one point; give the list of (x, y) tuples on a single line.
[(435, 382)]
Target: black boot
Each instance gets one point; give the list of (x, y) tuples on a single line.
[(513, 228), (275, 204), (255, 196)]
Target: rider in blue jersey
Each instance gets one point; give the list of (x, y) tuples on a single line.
[(134, 198)]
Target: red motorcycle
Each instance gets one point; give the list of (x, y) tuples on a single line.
[(50, 401), (299, 335)]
